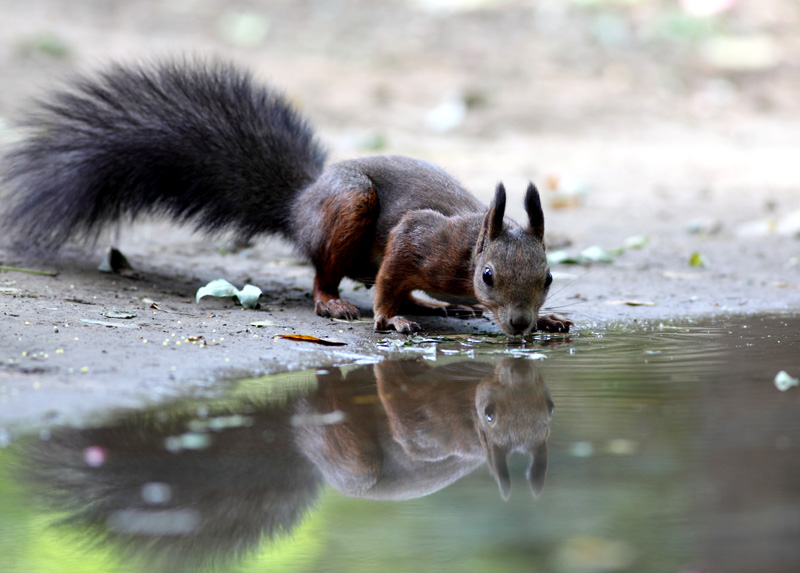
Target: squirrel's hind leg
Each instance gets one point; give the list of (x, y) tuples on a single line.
[(343, 239), (327, 301)]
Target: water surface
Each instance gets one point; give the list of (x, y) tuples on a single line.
[(636, 449)]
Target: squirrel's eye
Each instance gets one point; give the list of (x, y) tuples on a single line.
[(488, 278), (548, 279), (489, 413)]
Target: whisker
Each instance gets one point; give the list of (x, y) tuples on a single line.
[(568, 284)]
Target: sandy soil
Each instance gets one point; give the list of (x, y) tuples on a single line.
[(652, 138)]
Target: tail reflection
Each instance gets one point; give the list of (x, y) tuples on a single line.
[(196, 485)]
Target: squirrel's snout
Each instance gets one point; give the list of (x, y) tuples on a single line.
[(520, 321)]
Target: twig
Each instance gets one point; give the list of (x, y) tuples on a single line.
[(29, 271)]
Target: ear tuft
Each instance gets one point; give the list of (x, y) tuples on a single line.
[(498, 466), (533, 206), (538, 469), (497, 211)]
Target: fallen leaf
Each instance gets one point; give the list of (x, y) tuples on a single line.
[(704, 226), (635, 242), (783, 381), (593, 254), (596, 254), (262, 323), (119, 314), (677, 275), (248, 296), (309, 338), (698, 261), (109, 324), (631, 302)]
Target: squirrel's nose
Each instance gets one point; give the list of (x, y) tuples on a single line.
[(520, 321)]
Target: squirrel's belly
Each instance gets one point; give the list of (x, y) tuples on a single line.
[(452, 299)]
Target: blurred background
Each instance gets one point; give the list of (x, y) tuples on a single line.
[(514, 64), (669, 119)]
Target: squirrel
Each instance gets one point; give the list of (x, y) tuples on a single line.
[(201, 141)]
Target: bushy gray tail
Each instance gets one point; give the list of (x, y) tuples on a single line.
[(196, 141)]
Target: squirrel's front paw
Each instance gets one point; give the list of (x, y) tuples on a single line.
[(553, 323), (337, 308), (400, 324)]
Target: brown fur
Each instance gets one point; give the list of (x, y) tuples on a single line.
[(349, 217), (404, 225)]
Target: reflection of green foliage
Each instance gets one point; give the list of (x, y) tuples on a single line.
[(29, 543), (275, 388), (465, 528), (14, 519), (626, 384), (59, 549), (295, 553), (34, 540)]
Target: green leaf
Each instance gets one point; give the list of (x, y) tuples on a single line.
[(698, 260), (636, 242), (783, 381), (248, 296), (595, 254)]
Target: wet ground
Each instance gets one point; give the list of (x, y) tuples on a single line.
[(647, 449), (613, 109)]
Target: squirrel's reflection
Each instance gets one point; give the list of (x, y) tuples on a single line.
[(429, 427), (194, 490)]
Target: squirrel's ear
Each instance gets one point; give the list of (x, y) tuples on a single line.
[(497, 211), (538, 469), (533, 206), (498, 467)]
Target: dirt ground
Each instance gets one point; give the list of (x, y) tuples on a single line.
[(635, 119)]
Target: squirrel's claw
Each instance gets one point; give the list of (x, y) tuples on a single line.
[(337, 308), (463, 311), (398, 323), (553, 323)]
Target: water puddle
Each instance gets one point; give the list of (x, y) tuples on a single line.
[(639, 449)]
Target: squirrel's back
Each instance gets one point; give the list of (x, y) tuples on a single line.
[(197, 141)]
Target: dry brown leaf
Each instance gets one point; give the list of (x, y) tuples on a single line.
[(309, 338)]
